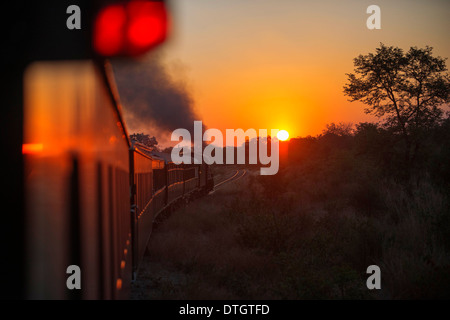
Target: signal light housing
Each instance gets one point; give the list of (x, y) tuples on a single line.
[(130, 29)]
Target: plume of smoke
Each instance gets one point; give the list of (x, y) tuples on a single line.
[(153, 101)]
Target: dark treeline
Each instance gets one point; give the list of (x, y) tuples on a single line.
[(381, 148), (373, 145)]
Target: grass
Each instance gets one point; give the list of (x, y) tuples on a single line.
[(309, 232)]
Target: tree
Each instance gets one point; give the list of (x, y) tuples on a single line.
[(145, 139), (341, 129), (407, 89)]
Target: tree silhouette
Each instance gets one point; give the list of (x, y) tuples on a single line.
[(407, 89), (341, 129), (145, 139)]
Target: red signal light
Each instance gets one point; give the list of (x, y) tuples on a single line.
[(130, 29), (147, 27), (108, 30)]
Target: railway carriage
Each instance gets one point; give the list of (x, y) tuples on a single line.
[(158, 184), (76, 181), (80, 193)]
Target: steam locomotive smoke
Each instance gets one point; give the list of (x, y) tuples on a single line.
[(152, 99)]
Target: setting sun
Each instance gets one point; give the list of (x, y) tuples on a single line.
[(282, 135)]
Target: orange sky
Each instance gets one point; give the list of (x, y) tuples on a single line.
[(281, 63)]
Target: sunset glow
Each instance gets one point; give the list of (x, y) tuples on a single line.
[(268, 64)]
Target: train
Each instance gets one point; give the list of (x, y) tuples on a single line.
[(81, 193), (159, 185)]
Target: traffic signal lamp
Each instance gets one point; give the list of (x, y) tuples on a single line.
[(130, 28)]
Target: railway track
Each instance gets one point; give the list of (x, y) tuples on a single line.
[(236, 176)]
